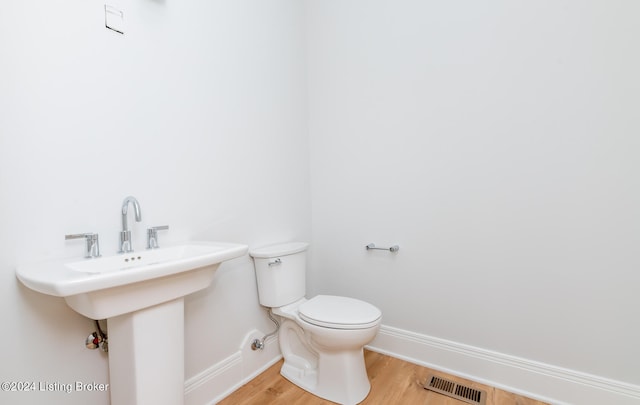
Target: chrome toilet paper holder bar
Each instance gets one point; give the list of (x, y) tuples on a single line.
[(372, 246)]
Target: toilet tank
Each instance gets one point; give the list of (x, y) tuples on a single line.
[(280, 273)]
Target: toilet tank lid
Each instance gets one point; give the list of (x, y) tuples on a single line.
[(282, 249)]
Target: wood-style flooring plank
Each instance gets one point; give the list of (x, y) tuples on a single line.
[(393, 381)]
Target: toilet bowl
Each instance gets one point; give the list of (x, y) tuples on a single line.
[(321, 338)]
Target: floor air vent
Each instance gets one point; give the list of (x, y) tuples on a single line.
[(454, 390)]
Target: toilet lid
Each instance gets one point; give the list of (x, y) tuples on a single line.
[(339, 312)]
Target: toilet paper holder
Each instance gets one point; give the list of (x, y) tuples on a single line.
[(372, 246)]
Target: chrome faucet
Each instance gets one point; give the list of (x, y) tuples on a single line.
[(152, 236), (125, 235), (92, 248)]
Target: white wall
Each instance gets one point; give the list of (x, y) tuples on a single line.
[(497, 142), (198, 110)]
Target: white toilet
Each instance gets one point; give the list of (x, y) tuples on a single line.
[(321, 338)]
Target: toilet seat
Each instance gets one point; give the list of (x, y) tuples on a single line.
[(336, 312)]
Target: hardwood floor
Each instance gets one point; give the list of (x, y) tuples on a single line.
[(393, 381)]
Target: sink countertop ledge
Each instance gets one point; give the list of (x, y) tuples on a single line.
[(71, 276)]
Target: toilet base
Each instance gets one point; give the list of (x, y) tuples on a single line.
[(333, 372), (347, 383)]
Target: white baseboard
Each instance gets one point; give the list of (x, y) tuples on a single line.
[(545, 382), (221, 379)]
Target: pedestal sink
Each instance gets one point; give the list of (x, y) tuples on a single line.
[(141, 294)]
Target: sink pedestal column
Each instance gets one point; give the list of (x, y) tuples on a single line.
[(146, 355)]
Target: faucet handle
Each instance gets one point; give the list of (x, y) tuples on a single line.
[(80, 235), (152, 236), (92, 243)]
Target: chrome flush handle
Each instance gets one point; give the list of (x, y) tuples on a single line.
[(275, 262)]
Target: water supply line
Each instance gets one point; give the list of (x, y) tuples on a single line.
[(98, 339), (259, 343)]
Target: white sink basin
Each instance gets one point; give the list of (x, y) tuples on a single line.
[(114, 285)]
